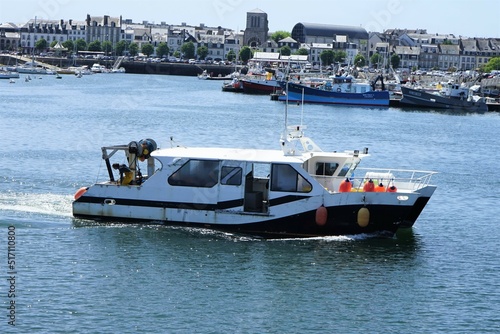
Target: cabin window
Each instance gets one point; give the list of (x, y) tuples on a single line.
[(326, 168), (196, 173), (285, 178), (231, 176), (345, 169)]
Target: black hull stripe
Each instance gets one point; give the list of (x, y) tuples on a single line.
[(184, 205)]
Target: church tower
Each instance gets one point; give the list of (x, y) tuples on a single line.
[(257, 29)]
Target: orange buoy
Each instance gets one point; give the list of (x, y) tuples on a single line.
[(345, 186), (380, 188), (363, 217), (80, 192), (392, 189), (369, 186), (321, 216)]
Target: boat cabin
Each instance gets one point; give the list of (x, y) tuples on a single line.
[(345, 84), (238, 178)]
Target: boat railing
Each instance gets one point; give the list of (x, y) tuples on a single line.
[(404, 180)]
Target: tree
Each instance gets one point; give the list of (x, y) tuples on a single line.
[(231, 55), (245, 54), (339, 56), (285, 50), (81, 45), (375, 59), (41, 44), (359, 60), (69, 45), (202, 52), (302, 52), (120, 47), (395, 61), (133, 49), (492, 65), (162, 49), (187, 50), (94, 46), (107, 47), (327, 57), (279, 35), (148, 49), (53, 44)]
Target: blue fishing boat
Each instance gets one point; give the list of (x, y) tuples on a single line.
[(335, 90)]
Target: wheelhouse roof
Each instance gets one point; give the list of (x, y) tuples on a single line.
[(235, 154)]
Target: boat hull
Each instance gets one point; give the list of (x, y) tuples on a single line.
[(260, 86), (284, 217), (9, 75), (298, 93), (418, 98)]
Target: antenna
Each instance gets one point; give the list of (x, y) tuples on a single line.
[(302, 109), (286, 104)]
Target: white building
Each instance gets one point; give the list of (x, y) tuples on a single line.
[(51, 31)]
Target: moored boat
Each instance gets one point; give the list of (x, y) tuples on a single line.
[(296, 191), (234, 86), (208, 76), (336, 90), (69, 70), (33, 69), (421, 98), (260, 85), (8, 75), (98, 68)]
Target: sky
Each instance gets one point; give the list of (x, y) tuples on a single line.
[(467, 18)]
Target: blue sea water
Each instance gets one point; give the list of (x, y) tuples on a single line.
[(441, 276)]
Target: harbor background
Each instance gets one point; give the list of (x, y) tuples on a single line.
[(74, 275)]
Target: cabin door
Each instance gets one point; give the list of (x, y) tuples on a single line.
[(232, 184), (257, 187)]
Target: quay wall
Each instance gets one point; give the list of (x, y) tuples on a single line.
[(138, 67)]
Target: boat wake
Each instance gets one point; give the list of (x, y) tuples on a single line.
[(335, 238), (36, 204), (205, 232)]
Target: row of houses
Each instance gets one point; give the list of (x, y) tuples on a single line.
[(23, 38), (415, 48), (419, 49)]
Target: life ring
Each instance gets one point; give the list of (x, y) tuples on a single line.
[(80, 192), (339, 90)]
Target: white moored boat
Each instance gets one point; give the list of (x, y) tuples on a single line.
[(298, 191)]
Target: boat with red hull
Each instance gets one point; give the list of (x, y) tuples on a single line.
[(260, 85)]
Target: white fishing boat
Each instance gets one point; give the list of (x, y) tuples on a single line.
[(296, 191), (32, 68), (8, 75), (98, 68)]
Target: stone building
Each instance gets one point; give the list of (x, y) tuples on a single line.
[(257, 29), (9, 37), (103, 28)]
